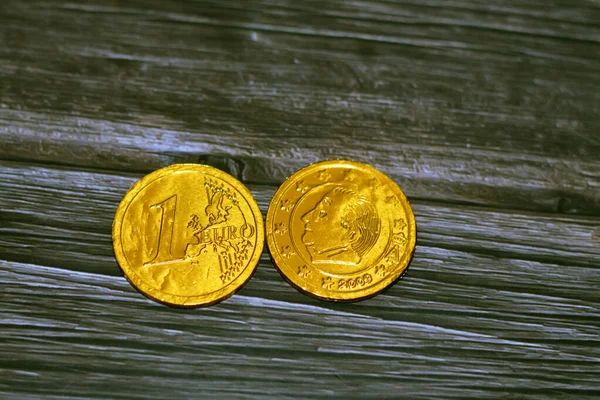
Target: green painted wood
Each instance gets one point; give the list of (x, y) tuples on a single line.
[(485, 113)]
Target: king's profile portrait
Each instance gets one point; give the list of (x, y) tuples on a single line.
[(341, 228)]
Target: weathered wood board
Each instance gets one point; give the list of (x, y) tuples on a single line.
[(486, 113)]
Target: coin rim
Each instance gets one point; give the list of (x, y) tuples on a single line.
[(190, 301), (389, 281)]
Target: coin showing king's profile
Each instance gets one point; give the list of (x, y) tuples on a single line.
[(188, 235), (340, 230)]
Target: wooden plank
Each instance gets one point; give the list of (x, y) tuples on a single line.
[(63, 218), (482, 177), (451, 118), (93, 335)]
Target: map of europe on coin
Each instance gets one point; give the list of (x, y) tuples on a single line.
[(188, 235), (340, 230)]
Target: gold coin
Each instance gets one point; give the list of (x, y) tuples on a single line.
[(188, 235), (340, 230)]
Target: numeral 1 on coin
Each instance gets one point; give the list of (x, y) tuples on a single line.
[(165, 234)]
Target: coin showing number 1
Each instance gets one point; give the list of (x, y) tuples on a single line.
[(188, 235)]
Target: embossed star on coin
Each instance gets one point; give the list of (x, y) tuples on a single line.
[(350, 233), (188, 235)]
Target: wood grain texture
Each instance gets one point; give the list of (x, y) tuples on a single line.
[(485, 113), (97, 336)]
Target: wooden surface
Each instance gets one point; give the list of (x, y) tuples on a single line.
[(485, 112)]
